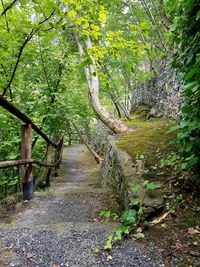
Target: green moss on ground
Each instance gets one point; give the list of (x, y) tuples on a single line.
[(150, 139)]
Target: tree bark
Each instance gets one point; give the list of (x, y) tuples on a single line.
[(114, 124), (115, 104), (120, 103), (163, 16), (26, 170)]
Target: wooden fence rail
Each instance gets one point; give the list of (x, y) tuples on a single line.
[(26, 161), (13, 163), (17, 113)]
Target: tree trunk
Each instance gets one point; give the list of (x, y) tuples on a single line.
[(120, 103), (114, 124), (154, 23), (163, 16), (115, 103)]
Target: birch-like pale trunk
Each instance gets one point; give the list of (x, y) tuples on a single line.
[(113, 123)]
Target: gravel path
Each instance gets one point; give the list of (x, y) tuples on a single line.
[(56, 228)]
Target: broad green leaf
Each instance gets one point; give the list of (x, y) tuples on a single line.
[(151, 186), (108, 242), (135, 188)]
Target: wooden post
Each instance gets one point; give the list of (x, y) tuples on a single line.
[(70, 137), (48, 161), (26, 170), (58, 156), (60, 148)]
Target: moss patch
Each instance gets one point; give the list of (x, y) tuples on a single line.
[(149, 139)]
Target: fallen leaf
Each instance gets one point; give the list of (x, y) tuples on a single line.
[(193, 231), (109, 257), (139, 230), (138, 236), (159, 218), (8, 247), (181, 246), (97, 219)]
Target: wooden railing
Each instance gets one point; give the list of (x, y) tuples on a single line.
[(26, 160), (72, 138)]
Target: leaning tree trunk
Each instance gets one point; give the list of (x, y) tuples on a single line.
[(114, 124)]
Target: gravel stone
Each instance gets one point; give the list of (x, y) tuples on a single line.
[(57, 229)]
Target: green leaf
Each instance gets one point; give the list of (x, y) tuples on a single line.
[(151, 186), (3, 182), (191, 73), (14, 182), (120, 231), (135, 202), (174, 128), (108, 242), (129, 216), (96, 250), (135, 188), (105, 214)]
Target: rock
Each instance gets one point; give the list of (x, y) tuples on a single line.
[(155, 114), (109, 257), (15, 264), (30, 255), (195, 254), (153, 202)]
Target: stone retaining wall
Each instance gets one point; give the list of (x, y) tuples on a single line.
[(119, 173)]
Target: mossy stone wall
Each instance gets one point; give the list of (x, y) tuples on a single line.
[(160, 96), (119, 173)]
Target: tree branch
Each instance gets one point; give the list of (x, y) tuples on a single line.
[(153, 22), (28, 38), (7, 27), (8, 7)]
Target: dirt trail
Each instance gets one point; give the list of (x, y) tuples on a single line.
[(57, 226)]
